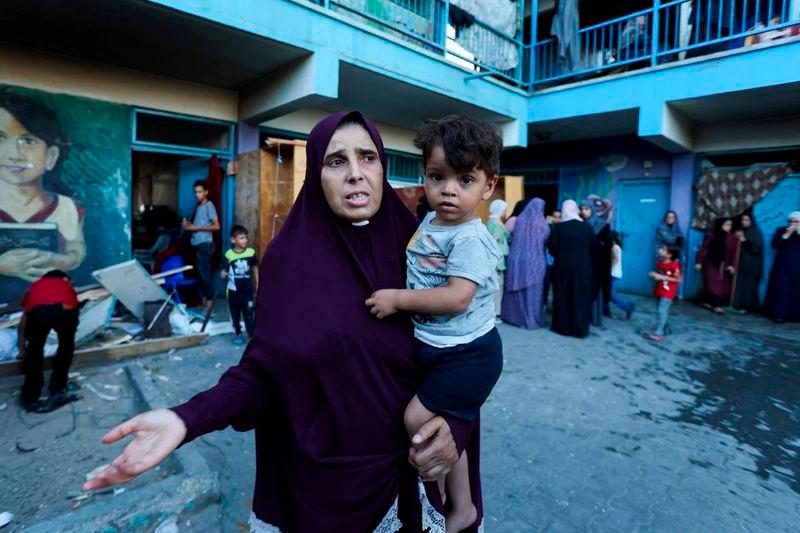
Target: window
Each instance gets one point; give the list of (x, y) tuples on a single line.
[(208, 136), (404, 167)]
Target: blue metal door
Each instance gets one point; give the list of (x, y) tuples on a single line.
[(641, 205)]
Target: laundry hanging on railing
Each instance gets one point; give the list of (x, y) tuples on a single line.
[(489, 48), (564, 28)]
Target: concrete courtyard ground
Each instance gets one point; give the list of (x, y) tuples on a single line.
[(609, 433)]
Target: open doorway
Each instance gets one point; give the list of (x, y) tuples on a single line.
[(162, 197), (548, 193), (543, 183)]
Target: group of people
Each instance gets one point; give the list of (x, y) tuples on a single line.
[(731, 259), (573, 250), (374, 347)]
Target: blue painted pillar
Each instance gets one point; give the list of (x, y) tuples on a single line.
[(681, 201), (655, 31), (533, 29), (246, 137)]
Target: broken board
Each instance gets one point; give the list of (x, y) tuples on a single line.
[(93, 318), (131, 284), (105, 354)]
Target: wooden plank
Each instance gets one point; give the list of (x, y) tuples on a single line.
[(247, 195), (299, 171), (166, 273), (107, 354), (273, 141)]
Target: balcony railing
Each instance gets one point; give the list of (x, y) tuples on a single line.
[(669, 31), (487, 51)]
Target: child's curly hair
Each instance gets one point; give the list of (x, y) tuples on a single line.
[(467, 143)]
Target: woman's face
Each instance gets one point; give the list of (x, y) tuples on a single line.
[(586, 213), (727, 226), (24, 157), (746, 221), (670, 218), (352, 174)]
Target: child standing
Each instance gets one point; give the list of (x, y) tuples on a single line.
[(452, 279), (667, 275), (616, 275), (239, 267)]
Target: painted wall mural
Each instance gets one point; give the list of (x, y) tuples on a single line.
[(65, 166), (595, 184)]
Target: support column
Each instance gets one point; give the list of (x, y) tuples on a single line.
[(682, 202), (246, 137)]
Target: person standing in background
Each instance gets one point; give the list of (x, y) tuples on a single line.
[(668, 233), (571, 243), (51, 303), (502, 236), (553, 219), (751, 264), (783, 296), (204, 222), (523, 303), (717, 258), (601, 263), (512, 220), (616, 275)]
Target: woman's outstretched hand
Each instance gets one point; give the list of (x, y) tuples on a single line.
[(433, 450), (157, 434)]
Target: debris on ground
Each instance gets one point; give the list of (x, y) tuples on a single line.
[(6, 518)]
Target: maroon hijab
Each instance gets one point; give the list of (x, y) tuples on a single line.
[(324, 383)]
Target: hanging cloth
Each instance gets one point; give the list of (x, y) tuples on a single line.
[(566, 24)]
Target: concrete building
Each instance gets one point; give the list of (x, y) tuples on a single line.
[(145, 97)]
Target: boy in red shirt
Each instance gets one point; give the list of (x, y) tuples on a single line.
[(667, 276), (50, 303)]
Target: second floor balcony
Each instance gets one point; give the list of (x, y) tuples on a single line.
[(590, 39), (661, 32)]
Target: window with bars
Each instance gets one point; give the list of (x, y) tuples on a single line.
[(404, 167)]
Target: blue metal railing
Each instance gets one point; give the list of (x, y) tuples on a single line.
[(669, 31), (487, 52)]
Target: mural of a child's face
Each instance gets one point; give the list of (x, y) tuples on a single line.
[(24, 157)]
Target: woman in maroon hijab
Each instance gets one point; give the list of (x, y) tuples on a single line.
[(323, 383)]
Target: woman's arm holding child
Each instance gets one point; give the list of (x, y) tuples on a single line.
[(451, 299)]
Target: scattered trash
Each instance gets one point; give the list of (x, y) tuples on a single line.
[(176, 358), (170, 525), (9, 348), (172, 351), (218, 365), (115, 388), (118, 490), (131, 328), (213, 327), (102, 395), (96, 471), (180, 321), (119, 371), (6, 518), (3, 406), (73, 375)]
